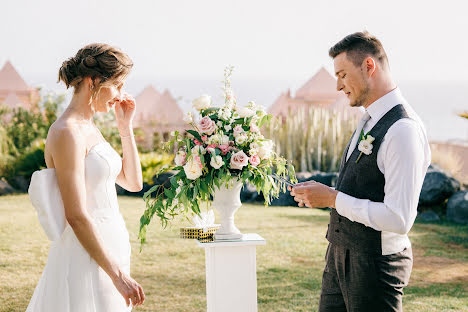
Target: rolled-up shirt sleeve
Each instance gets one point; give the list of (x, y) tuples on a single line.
[(404, 164)]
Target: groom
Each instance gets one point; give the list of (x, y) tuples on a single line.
[(369, 257)]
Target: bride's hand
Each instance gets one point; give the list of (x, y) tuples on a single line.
[(130, 290), (124, 111)]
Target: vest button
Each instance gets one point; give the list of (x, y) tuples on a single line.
[(337, 231)]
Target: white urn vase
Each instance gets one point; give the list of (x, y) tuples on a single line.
[(227, 200)]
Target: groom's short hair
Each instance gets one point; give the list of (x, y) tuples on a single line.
[(358, 46)]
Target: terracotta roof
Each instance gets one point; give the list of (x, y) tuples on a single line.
[(11, 80), (152, 106), (319, 91), (322, 86)]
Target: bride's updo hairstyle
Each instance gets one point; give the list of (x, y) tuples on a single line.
[(103, 63)]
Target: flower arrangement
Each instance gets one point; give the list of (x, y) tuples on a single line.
[(225, 144)]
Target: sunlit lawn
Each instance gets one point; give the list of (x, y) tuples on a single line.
[(172, 270)]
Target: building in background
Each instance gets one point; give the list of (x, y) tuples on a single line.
[(14, 91), (319, 91), (157, 114)]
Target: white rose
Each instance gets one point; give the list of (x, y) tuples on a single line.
[(202, 102), (188, 118), (217, 139), (224, 140), (365, 147), (198, 149), (220, 124), (238, 130), (245, 112), (216, 162), (370, 138), (241, 139), (193, 168), (224, 113), (265, 149), (239, 160), (227, 128), (253, 151)]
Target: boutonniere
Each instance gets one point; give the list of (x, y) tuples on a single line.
[(365, 144)]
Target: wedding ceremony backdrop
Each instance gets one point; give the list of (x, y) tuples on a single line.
[(281, 63)]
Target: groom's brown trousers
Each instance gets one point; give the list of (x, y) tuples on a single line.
[(359, 282)]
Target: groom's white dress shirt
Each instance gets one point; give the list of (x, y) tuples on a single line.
[(403, 158)]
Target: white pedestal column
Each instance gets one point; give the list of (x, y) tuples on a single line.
[(231, 274)]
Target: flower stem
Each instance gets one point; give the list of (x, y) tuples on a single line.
[(358, 158)]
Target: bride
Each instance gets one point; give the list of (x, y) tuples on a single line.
[(88, 267)]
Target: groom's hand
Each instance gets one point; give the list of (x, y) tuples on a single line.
[(313, 194)]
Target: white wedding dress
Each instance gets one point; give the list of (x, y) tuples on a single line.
[(72, 281)]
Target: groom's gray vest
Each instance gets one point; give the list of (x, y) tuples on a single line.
[(362, 180)]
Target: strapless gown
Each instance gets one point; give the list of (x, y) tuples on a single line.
[(72, 281)]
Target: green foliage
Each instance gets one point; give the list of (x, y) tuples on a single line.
[(7, 150), (21, 139), (107, 124), (152, 163), (30, 160)]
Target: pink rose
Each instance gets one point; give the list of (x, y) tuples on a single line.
[(254, 160), (211, 146), (197, 159), (224, 148), (239, 160), (207, 125), (180, 158), (204, 138), (196, 142), (254, 128), (237, 130)]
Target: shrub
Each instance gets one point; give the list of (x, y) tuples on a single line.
[(151, 163), (26, 163), (314, 138)]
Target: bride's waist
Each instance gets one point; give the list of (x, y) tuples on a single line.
[(102, 215)]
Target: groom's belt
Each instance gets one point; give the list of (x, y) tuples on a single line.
[(353, 235)]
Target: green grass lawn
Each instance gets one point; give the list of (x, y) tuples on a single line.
[(172, 270)]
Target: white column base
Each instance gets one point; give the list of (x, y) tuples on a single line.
[(231, 274), (227, 236)]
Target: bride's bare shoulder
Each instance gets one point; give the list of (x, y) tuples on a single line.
[(64, 134)]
